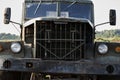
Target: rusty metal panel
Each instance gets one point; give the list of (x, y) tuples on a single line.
[(5, 50), (112, 54), (60, 67)]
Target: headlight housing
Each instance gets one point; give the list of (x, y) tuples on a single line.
[(15, 47), (102, 48)]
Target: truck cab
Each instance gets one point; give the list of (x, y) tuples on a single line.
[(59, 30)]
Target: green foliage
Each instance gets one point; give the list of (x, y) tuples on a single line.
[(108, 35), (8, 36)]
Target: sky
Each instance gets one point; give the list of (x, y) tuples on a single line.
[(101, 11)]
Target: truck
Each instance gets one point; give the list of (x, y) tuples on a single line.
[(58, 43)]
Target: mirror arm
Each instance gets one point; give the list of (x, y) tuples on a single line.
[(20, 28), (101, 24), (16, 23)]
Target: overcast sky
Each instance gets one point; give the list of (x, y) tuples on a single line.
[(101, 8)]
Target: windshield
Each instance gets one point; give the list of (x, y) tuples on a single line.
[(76, 10)]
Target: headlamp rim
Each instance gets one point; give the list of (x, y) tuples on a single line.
[(105, 46), (18, 50)]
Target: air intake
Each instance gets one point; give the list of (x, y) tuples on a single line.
[(56, 41)]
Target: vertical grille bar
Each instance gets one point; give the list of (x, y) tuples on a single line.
[(60, 41)]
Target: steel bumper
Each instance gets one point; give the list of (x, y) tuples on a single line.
[(60, 67)]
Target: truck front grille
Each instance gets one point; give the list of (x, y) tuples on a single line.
[(60, 41)]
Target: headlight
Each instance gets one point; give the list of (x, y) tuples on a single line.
[(102, 48), (16, 47)]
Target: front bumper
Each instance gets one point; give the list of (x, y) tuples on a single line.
[(60, 67)]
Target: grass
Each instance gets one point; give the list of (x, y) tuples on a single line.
[(110, 39)]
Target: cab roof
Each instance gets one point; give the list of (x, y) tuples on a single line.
[(82, 1)]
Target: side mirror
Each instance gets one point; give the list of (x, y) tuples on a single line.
[(7, 15), (112, 17)]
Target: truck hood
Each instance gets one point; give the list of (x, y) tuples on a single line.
[(83, 20)]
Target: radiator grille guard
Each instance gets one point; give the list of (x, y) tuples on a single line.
[(60, 41)]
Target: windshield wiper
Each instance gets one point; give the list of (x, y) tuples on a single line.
[(70, 5), (37, 7)]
